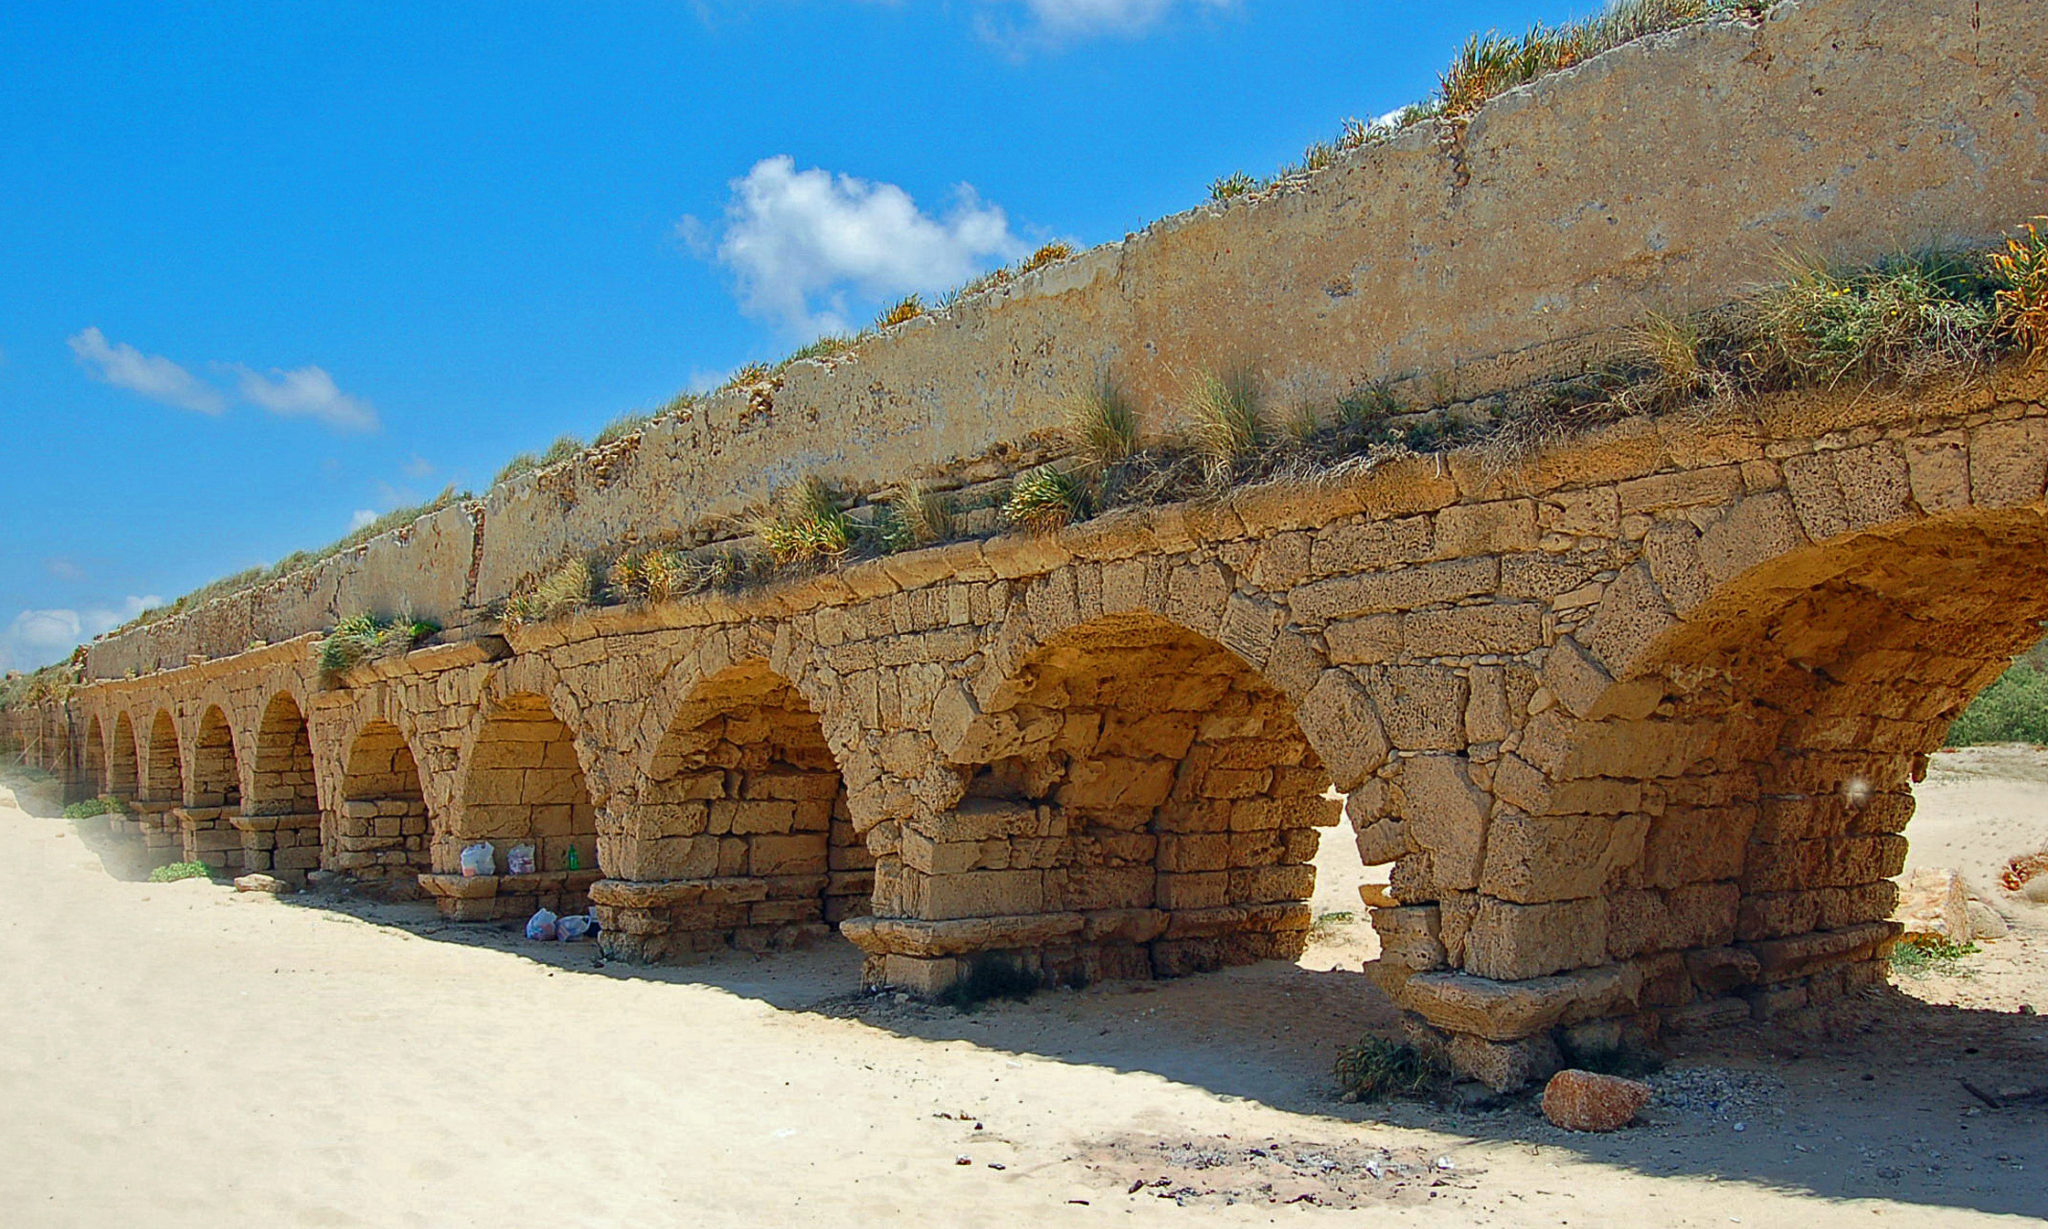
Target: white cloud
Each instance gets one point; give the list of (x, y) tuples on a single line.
[(39, 637), (802, 243), (151, 375), (1058, 21), (304, 392), (361, 518)]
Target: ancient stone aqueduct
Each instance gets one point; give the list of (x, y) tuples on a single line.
[(1634, 721)]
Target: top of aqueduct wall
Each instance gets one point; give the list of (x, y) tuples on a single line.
[(1667, 175)]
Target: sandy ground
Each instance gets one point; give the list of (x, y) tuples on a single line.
[(181, 1054)]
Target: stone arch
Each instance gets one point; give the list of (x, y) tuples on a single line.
[(383, 829), (123, 776), (284, 780), (163, 778), (1137, 797), (1331, 705), (522, 783), (743, 785), (1713, 825), (216, 772)]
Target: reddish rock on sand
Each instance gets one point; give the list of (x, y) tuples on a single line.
[(1582, 1101)]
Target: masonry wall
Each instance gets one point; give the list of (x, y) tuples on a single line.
[(1667, 175)]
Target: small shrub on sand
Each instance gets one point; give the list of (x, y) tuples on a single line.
[(1376, 1069), (1937, 958), (180, 870), (105, 804)]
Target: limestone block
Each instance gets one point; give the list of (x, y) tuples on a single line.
[(1445, 814), (1496, 528), (1423, 707), (1471, 631), (1938, 470), (976, 894), (1530, 860), (1406, 589), (1203, 890), (786, 855), (1411, 937), (1271, 884), (2008, 463), (1512, 942), (1362, 545), (1341, 721)]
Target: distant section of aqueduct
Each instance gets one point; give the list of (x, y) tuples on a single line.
[(1635, 722)]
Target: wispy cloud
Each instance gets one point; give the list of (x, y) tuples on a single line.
[(805, 246), (149, 375), (1054, 22), (361, 518), (304, 392), (38, 637)]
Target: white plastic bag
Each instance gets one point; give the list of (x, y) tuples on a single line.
[(575, 926), (519, 860), (541, 925), (479, 859)]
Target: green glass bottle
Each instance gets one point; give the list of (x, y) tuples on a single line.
[(574, 862)]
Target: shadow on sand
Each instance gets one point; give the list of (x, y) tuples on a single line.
[(1872, 1107)]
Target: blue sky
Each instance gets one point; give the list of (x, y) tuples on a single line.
[(266, 269)]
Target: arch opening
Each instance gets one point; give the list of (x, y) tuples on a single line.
[(383, 830), (122, 778), (744, 789), (163, 780), (216, 775), (93, 765), (524, 787), (283, 781), (1143, 781)]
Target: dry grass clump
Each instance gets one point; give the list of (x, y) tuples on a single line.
[(361, 637), (573, 586), (1491, 64), (909, 307), (1376, 1069), (918, 517), (807, 526), (1051, 253), (1045, 499), (1102, 424), (1233, 185), (1229, 417), (2022, 299)]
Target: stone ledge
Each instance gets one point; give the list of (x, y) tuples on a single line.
[(274, 823), (483, 887), (1510, 1011), (880, 936), (430, 660)]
